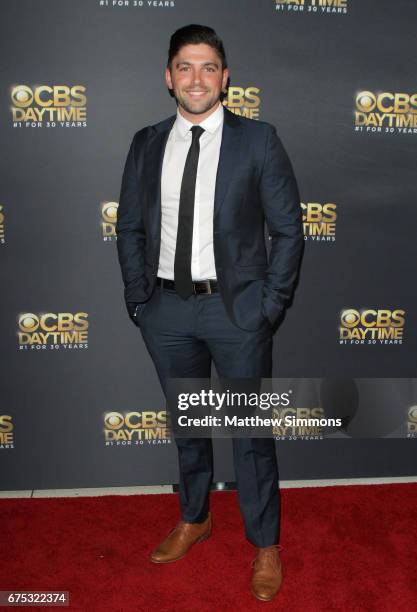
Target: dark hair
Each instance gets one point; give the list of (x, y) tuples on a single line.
[(194, 34)]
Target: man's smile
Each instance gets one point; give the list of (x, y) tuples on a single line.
[(196, 94)]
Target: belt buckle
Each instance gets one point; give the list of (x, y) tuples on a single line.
[(207, 286)]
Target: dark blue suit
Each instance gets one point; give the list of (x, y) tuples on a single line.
[(233, 328)]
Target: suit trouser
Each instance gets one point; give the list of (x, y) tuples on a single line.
[(183, 337)]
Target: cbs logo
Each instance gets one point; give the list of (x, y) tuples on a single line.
[(6, 424), (43, 95), (412, 414), (63, 321), (134, 420), (238, 96), (372, 318), (298, 413), (316, 213), (109, 211), (386, 102)]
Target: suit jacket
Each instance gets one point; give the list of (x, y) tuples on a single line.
[(254, 183)]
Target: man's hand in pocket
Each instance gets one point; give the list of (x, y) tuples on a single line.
[(133, 309)]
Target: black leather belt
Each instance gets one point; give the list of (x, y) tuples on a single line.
[(204, 286)]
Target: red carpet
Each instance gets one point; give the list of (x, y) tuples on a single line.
[(344, 548)]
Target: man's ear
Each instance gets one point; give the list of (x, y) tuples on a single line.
[(225, 79), (168, 79)]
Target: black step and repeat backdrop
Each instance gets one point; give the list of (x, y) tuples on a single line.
[(80, 401)]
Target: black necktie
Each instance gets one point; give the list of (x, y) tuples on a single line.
[(182, 262)]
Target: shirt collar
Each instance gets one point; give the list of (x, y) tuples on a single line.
[(210, 123)]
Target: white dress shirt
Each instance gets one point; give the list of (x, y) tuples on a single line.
[(178, 144)]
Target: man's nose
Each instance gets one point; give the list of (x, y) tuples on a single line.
[(196, 77)]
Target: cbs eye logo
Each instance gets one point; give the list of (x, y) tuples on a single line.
[(365, 101), (350, 318), (109, 211), (22, 96), (113, 420), (412, 415), (28, 322)]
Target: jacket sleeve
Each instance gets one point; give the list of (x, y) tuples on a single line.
[(281, 204), (130, 229)]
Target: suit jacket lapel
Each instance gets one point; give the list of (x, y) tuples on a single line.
[(229, 151), (154, 159)]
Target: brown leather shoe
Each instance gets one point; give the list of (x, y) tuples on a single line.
[(267, 573), (180, 539)]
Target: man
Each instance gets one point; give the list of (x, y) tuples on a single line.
[(196, 191)]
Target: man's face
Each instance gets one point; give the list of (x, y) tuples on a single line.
[(197, 78)]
